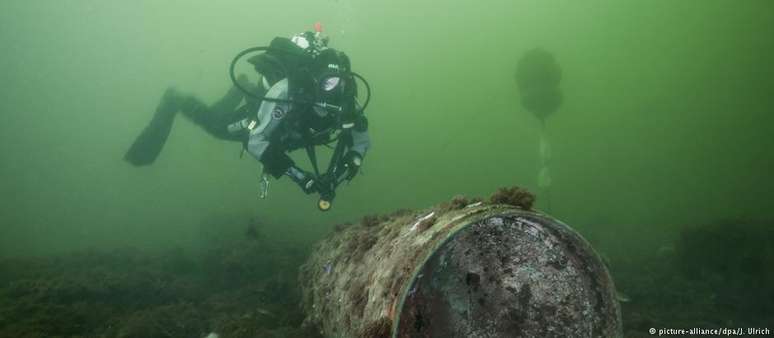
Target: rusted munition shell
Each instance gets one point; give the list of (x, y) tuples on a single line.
[(478, 271)]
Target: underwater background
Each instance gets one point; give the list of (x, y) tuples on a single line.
[(661, 148)]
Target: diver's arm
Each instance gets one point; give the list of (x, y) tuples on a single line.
[(361, 142), (277, 164), (273, 157), (267, 120)]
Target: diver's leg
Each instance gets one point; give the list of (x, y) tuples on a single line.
[(213, 122), (215, 119), (147, 146)]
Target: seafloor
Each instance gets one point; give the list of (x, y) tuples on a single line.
[(720, 275)]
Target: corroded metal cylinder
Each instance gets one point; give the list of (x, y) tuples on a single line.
[(480, 270)]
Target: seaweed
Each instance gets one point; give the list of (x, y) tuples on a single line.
[(370, 220), (427, 223), (242, 288), (378, 329), (341, 227), (514, 196), (359, 296), (718, 275), (457, 202)]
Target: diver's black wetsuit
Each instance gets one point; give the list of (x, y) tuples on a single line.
[(214, 119)]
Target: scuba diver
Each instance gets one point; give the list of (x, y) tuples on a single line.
[(306, 97)]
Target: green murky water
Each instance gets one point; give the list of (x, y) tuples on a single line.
[(666, 122)]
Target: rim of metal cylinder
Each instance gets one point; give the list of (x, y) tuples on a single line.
[(472, 218), (606, 313)]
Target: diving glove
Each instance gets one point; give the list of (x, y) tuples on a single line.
[(304, 179), (351, 163)]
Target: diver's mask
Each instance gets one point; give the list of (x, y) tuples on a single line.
[(336, 87)]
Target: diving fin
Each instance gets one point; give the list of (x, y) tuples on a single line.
[(147, 147)]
